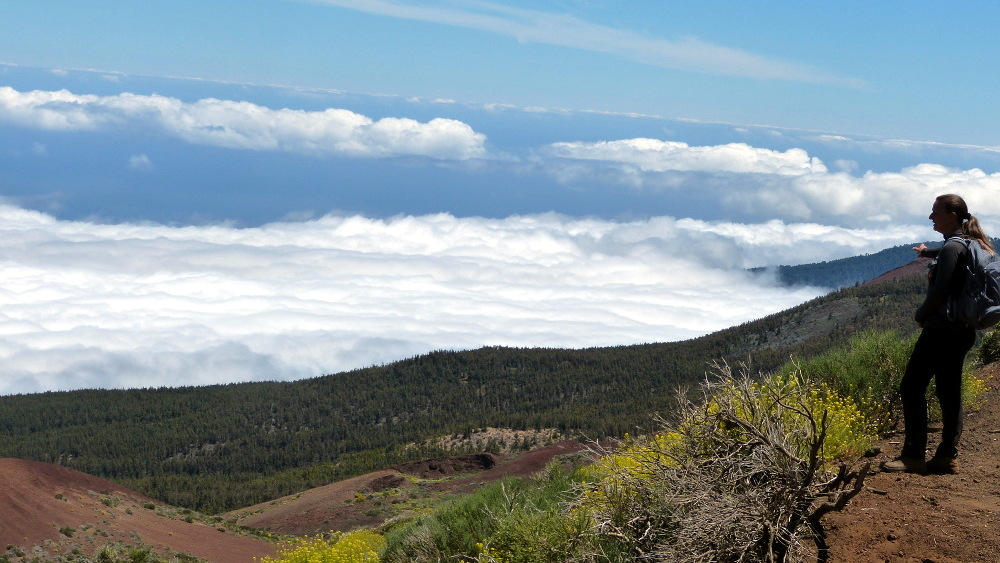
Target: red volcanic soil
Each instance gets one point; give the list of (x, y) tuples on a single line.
[(915, 268), (525, 466), (354, 503), (323, 509), (41, 503)]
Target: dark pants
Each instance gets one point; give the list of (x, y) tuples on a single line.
[(938, 353)]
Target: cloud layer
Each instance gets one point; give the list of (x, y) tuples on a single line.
[(790, 185), (749, 182), (87, 305), (244, 125), (654, 155)]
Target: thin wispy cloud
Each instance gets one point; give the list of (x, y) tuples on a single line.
[(903, 144), (88, 305), (687, 54), (244, 125), (140, 162)]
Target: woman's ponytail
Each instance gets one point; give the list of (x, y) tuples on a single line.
[(974, 231), (971, 228)]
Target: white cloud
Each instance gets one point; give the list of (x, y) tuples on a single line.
[(85, 305), (889, 196), (653, 155), (688, 54), (140, 162), (243, 125), (846, 165), (789, 185)]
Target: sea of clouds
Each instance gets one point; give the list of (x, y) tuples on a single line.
[(89, 305)]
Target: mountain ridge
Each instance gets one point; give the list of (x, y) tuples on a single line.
[(849, 271)]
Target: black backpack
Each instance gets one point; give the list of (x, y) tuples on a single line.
[(978, 304)]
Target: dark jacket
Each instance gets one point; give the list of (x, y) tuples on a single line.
[(945, 277)]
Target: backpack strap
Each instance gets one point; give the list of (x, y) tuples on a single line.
[(967, 243), (963, 240)]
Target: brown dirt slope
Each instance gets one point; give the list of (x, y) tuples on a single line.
[(370, 499), (915, 268), (323, 509), (905, 518), (524, 465), (47, 509)]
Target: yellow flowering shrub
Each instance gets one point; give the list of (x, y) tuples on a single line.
[(973, 388), (849, 433), (797, 408), (638, 457), (361, 546), (761, 448)]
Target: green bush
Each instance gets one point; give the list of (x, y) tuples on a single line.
[(513, 521), (868, 370), (989, 348)]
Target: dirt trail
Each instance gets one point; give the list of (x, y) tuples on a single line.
[(904, 518)]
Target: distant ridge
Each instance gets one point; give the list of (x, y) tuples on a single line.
[(844, 272), (850, 271), (916, 268)]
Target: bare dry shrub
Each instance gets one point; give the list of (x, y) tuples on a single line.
[(739, 477)]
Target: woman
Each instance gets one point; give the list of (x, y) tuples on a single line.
[(943, 343)]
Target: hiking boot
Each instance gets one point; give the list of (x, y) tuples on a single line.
[(942, 465), (904, 464)]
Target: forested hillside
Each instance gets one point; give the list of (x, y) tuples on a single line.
[(222, 447), (846, 272), (850, 271)]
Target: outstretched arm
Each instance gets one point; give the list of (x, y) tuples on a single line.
[(947, 261)]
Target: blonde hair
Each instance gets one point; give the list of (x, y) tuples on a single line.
[(971, 229)]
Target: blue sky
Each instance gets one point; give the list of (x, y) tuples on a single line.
[(212, 191)]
